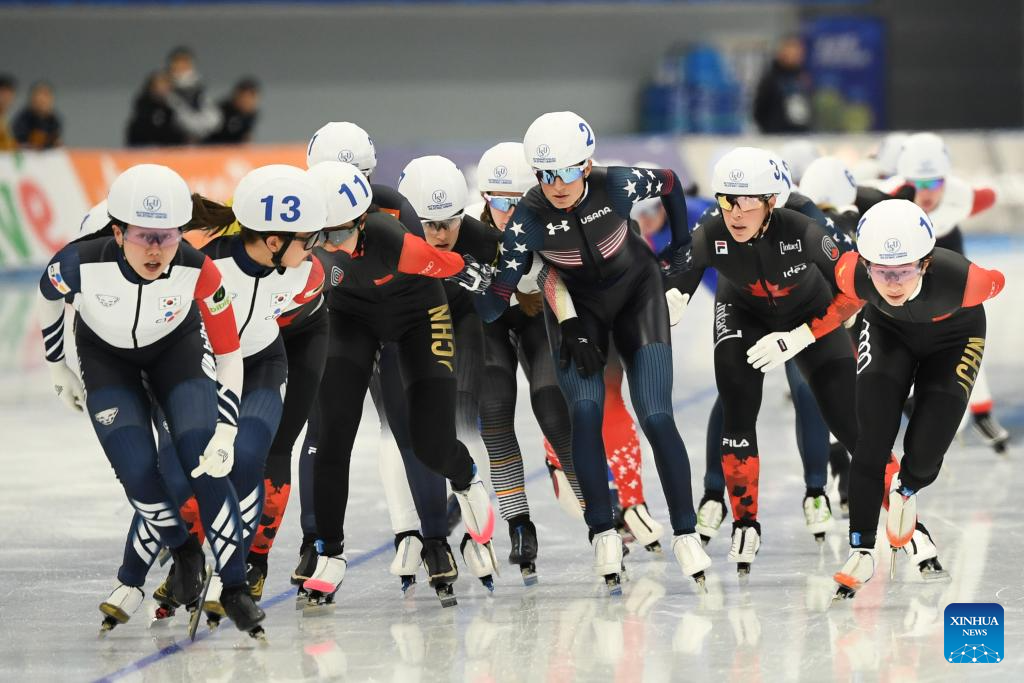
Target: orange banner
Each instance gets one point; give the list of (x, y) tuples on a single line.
[(211, 171)]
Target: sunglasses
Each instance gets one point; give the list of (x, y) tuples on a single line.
[(314, 240), (568, 175), (447, 224), (893, 274), (159, 238), (933, 184), (746, 202), (502, 203)]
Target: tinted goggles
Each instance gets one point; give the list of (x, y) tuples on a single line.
[(746, 202), (145, 237), (502, 203), (314, 240), (932, 184), (568, 175), (893, 274), (447, 224)]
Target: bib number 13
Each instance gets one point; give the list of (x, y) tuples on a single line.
[(290, 203)]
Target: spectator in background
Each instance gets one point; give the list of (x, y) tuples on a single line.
[(782, 103), (8, 89), (196, 115), (238, 114), (153, 120), (38, 126)]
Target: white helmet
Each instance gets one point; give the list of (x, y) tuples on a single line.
[(342, 141), (829, 183), (558, 139), (798, 155), (786, 177), (279, 198), (346, 191), (503, 168), (435, 187), (889, 152), (924, 157), (747, 171), (895, 232), (150, 196), (94, 221)]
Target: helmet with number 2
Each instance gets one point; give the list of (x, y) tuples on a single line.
[(894, 233), (279, 198), (346, 190), (558, 139)]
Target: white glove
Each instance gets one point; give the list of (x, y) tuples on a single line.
[(676, 301), (67, 385), (219, 455), (772, 350)]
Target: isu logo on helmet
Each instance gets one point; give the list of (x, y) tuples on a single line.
[(346, 155), (151, 203), (439, 196), (736, 175), (543, 150), (892, 245), (500, 171)]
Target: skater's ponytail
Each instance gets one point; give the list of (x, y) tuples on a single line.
[(211, 217)]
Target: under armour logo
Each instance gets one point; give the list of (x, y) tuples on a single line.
[(582, 340), (553, 229)]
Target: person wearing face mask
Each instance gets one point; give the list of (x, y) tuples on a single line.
[(924, 165), (608, 283), (776, 300), (385, 287), (268, 273), (923, 325), (151, 314)]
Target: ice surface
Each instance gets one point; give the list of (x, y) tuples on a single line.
[(64, 518)]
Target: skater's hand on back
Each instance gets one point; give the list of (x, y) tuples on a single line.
[(67, 385), (578, 347), (219, 455)]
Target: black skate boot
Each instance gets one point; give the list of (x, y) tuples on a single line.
[(188, 573), (305, 568), (991, 432), (243, 610), (256, 574), (523, 534), (441, 569), (166, 605)]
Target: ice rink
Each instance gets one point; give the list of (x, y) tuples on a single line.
[(65, 517)]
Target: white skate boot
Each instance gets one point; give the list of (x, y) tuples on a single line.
[(408, 548), (901, 520), (608, 559), (477, 513), (710, 514), (328, 575), (858, 570), (567, 499), (120, 606), (746, 542), (818, 515), (691, 557), (480, 560), (645, 529), (925, 555)]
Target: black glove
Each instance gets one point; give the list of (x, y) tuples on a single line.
[(576, 345), (674, 260), (474, 276)]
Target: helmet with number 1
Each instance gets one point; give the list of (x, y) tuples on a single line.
[(829, 183), (342, 141), (150, 196), (279, 198), (503, 168), (747, 171), (346, 190), (924, 157), (558, 139), (895, 232), (94, 221), (435, 187)]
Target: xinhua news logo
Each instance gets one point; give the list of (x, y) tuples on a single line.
[(974, 633)]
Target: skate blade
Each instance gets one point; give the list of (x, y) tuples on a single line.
[(163, 556), (843, 593), (701, 581), (193, 620), (494, 560), (654, 548), (529, 573), (317, 609), (108, 625), (892, 564), (446, 594), (488, 583), (613, 584), (408, 586)]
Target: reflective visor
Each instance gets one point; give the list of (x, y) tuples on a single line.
[(746, 202), (568, 175), (147, 236)]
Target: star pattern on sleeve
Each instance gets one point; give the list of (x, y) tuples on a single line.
[(638, 173), (512, 264), (517, 229), (630, 187), (521, 248)]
